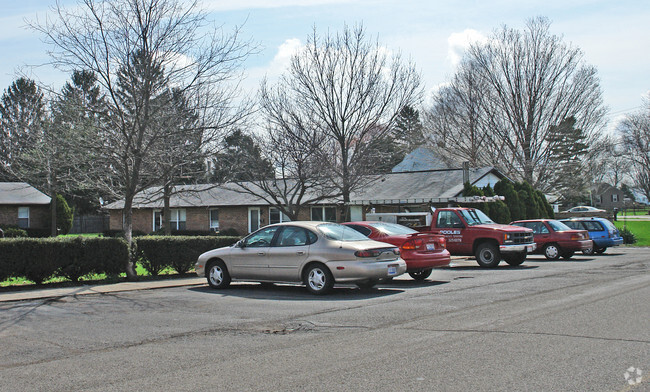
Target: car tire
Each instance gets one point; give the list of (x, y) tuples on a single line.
[(488, 255), (421, 274), (600, 250), (568, 255), (589, 251), (318, 279), (217, 274), (552, 251), (516, 259), (367, 284)]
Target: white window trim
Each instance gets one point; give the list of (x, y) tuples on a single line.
[(322, 208), (174, 217), (259, 218), (210, 218), (283, 217), (28, 217)]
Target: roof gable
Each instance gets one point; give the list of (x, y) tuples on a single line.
[(21, 193)]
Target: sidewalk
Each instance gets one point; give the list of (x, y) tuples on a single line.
[(26, 295), (62, 292)]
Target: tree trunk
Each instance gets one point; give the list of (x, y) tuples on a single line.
[(131, 274), (167, 213)]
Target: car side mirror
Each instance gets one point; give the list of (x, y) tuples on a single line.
[(241, 244)]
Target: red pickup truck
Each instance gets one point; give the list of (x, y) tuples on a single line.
[(470, 232)]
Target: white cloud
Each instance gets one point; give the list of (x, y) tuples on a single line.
[(459, 42)]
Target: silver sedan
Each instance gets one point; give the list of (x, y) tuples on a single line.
[(316, 254)]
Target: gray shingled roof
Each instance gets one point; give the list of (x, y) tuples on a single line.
[(200, 195), (21, 193), (415, 187), (420, 159)]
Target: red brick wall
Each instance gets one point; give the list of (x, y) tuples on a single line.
[(39, 216)]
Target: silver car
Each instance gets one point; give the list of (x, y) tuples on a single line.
[(317, 254)]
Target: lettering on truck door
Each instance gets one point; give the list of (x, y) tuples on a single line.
[(450, 225)]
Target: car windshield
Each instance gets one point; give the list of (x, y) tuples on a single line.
[(336, 232), (475, 217), (391, 228), (558, 226)]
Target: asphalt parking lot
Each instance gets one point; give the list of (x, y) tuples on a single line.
[(578, 325)]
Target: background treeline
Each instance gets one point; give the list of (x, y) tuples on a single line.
[(521, 201)]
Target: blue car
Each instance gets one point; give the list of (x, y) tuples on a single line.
[(602, 232)]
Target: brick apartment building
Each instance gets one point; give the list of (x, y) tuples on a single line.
[(23, 206)]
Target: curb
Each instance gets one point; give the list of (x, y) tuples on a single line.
[(28, 295)]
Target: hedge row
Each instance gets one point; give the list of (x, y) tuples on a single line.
[(156, 253), (40, 259)]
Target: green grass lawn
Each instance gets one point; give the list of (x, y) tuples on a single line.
[(641, 230), (87, 279), (631, 212)]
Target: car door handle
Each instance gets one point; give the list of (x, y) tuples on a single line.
[(300, 252), (261, 253)]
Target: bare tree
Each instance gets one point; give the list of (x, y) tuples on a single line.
[(635, 132), (351, 90), (455, 121), (528, 82), (139, 49), (607, 161), (293, 150)]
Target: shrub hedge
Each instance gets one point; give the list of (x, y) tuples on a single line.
[(178, 252), (40, 259)]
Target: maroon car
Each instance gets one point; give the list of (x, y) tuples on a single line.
[(421, 251), (555, 239)]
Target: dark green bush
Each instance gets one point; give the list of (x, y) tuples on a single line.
[(179, 253), (628, 236), (14, 232), (185, 233), (39, 259)]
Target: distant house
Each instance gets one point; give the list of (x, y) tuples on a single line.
[(23, 206), (607, 197), (209, 207)]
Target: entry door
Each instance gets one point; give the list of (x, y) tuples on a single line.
[(253, 219)]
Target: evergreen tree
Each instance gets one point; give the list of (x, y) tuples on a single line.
[(64, 215), (22, 120), (506, 189), (569, 146), (240, 160)]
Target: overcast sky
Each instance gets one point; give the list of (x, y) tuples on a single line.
[(613, 35)]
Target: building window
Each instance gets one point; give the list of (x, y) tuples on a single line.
[(176, 221), (276, 216), (23, 217), (214, 219), (157, 220), (614, 197), (324, 214)]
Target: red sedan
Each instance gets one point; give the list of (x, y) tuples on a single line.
[(421, 251), (555, 239)]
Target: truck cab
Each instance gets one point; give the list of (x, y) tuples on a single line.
[(470, 232)]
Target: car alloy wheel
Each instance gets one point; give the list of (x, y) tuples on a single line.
[(318, 279), (217, 275)]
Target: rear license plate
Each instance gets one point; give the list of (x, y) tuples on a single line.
[(530, 248), (431, 247), (392, 270)]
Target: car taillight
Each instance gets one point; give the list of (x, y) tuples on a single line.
[(412, 244), (575, 237), (443, 242), (375, 252)]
